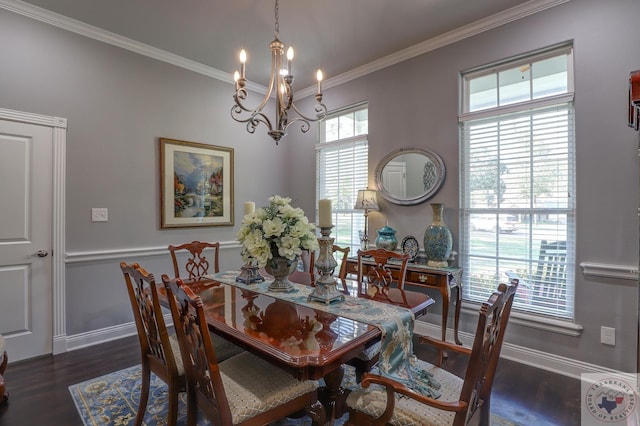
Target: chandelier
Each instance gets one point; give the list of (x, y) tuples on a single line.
[(281, 84)]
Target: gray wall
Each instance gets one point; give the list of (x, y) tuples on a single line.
[(415, 103), (119, 103)]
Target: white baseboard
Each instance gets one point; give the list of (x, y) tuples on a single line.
[(107, 334), (546, 361)]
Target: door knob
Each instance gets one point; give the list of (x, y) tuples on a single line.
[(42, 253)]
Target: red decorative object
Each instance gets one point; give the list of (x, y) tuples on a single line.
[(634, 99)]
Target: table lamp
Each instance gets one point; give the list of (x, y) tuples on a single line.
[(366, 201)]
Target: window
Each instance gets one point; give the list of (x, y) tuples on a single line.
[(342, 169), (518, 181)]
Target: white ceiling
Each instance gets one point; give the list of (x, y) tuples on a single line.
[(338, 36)]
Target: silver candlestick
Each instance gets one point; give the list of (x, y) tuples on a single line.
[(325, 290)]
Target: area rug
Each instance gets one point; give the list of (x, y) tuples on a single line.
[(112, 399)]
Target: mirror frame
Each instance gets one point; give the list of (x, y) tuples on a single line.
[(440, 175)]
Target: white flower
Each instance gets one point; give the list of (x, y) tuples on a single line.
[(277, 229), (273, 227)]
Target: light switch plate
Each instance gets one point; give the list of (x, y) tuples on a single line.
[(608, 336), (99, 215)]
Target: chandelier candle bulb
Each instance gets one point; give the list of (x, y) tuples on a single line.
[(236, 77), (249, 207), (319, 78), (324, 213), (289, 59), (243, 60)]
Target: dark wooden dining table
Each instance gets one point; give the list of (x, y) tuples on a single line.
[(308, 343)]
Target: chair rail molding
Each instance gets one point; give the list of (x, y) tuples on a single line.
[(99, 255), (624, 272), (547, 361)]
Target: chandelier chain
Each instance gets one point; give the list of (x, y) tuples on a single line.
[(276, 12)]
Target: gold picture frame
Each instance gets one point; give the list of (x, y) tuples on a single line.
[(196, 184)]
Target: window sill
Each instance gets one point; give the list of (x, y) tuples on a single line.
[(540, 322)]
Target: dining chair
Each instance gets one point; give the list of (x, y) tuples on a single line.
[(308, 259), (462, 400), (160, 351), (550, 279), (242, 390), (4, 396), (547, 285), (378, 274), (376, 278), (224, 348), (197, 264), (342, 272), (308, 276)]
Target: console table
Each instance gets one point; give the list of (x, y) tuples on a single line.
[(443, 279)]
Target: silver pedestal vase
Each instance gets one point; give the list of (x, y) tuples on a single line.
[(325, 290), (280, 268)]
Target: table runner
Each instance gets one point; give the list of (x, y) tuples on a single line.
[(395, 323)]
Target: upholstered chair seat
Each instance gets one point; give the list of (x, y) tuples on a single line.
[(175, 348), (371, 352), (3, 365), (224, 348), (253, 386), (409, 412)]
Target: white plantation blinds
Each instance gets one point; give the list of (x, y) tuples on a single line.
[(342, 169), (518, 187)]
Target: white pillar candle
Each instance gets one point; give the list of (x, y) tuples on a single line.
[(324, 212), (249, 207)]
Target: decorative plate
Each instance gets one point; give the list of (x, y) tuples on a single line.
[(410, 246)]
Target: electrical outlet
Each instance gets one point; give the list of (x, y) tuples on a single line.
[(608, 336), (99, 215)]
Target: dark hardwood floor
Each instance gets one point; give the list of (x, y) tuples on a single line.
[(39, 394)]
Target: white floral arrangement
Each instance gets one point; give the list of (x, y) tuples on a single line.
[(276, 230)]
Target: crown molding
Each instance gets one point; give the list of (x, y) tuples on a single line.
[(501, 18), (90, 31)]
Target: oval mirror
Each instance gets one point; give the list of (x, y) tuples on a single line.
[(410, 176)]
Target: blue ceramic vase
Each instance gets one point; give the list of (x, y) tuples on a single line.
[(387, 238), (438, 241)]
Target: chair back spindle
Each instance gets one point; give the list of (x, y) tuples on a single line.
[(485, 352), (158, 354), (202, 369), (379, 274), (197, 263)]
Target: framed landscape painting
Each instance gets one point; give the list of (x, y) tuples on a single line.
[(196, 184)]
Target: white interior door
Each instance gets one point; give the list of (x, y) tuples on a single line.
[(394, 178), (26, 311)]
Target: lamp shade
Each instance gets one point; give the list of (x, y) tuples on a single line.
[(366, 200)]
